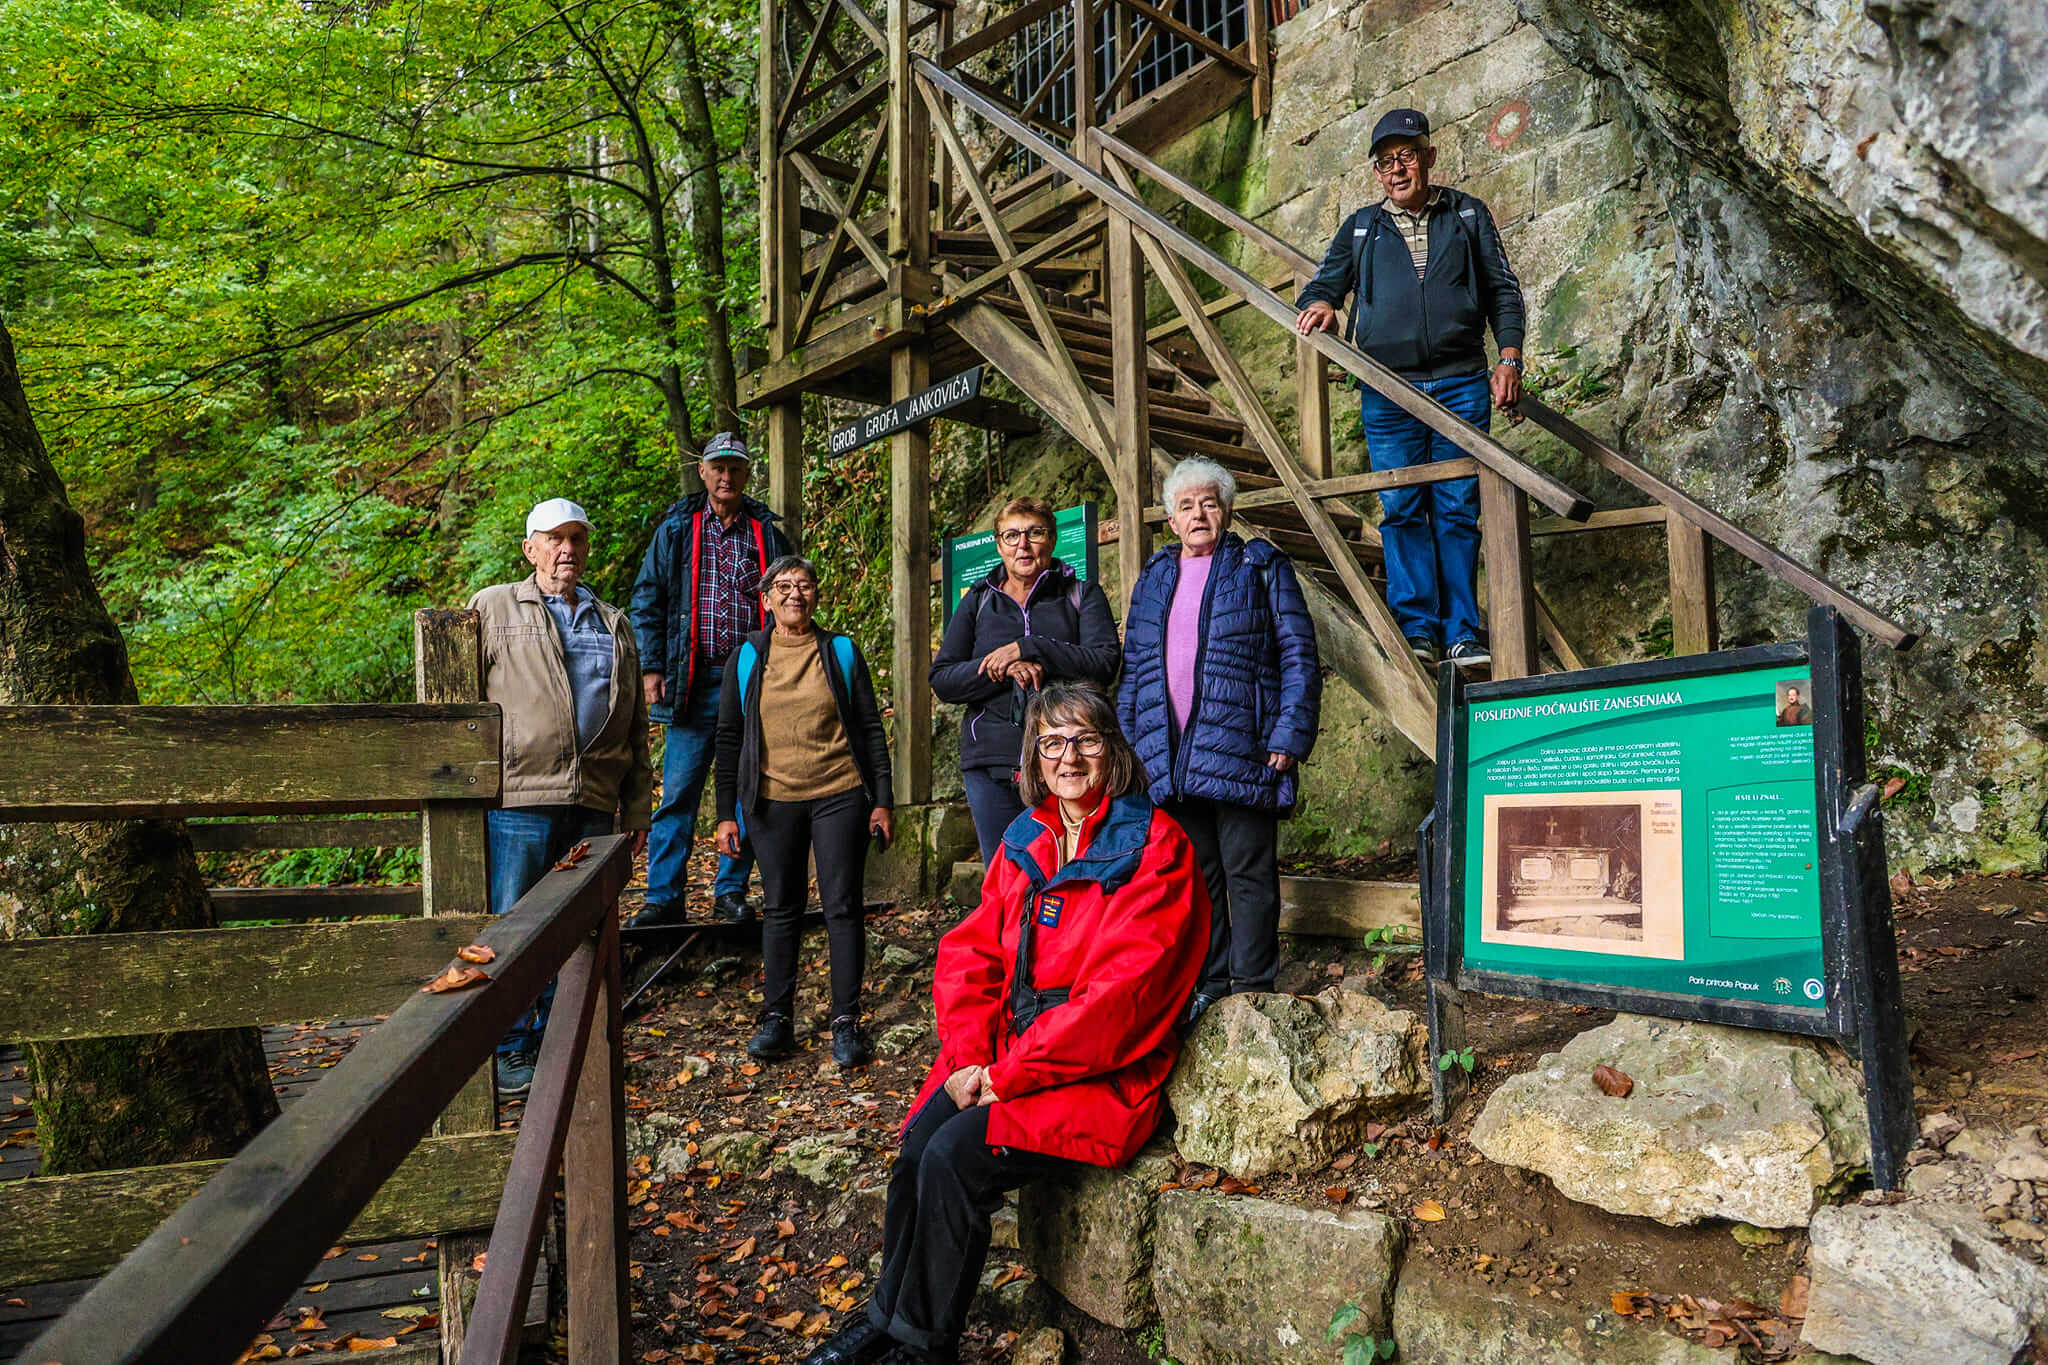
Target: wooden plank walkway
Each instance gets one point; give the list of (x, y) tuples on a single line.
[(373, 1291)]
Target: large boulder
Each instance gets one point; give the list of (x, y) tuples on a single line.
[(1088, 1232), (1721, 1123), (1277, 1083), (1443, 1318), (1908, 1284), (1252, 1282)]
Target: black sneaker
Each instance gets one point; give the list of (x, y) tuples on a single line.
[(514, 1074), (731, 908), (1197, 1007), (1423, 650), (657, 915), (1469, 654), (774, 1040), (849, 1043), (860, 1344)]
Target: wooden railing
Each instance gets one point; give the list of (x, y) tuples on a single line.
[(400, 1139)]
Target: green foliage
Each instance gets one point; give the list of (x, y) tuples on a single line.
[(1359, 1348), (1463, 1058), (315, 299), (1152, 1341)]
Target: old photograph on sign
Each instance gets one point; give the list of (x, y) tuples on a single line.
[(1597, 872)]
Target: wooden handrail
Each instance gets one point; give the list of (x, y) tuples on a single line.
[(203, 1283), (1474, 442), (1767, 556)]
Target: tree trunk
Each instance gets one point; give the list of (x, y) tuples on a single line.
[(707, 228), (106, 1102)]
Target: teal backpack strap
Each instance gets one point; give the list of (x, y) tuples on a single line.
[(842, 653), (746, 661)]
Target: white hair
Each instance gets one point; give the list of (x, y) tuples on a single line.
[(1196, 472)]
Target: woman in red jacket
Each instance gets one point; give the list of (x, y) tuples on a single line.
[(1057, 1000)]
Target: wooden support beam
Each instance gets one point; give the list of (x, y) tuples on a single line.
[(1312, 406), (838, 119), (1347, 485), (1607, 519), (855, 339), (910, 597), (228, 836), (233, 904), (1510, 602), (989, 34), (1695, 624), (594, 1178), (1128, 362), (175, 761), (1332, 907), (1085, 227), (1259, 42), (1553, 634)]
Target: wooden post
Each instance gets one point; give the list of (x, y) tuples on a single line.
[(594, 1178), (910, 142), (448, 666), (1133, 402), (1312, 401), (1084, 83), (910, 598), (1510, 597), (1694, 627), (1258, 20)]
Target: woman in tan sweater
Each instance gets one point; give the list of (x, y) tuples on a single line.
[(803, 764)]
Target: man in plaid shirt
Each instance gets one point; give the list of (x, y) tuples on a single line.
[(697, 596)]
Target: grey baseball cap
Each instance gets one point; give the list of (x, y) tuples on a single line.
[(726, 445)]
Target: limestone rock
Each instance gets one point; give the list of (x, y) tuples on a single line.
[(963, 887), (898, 1039), (1907, 1284), (1046, 1346), (659, 1136), (1722, 1123), (1089, 1233), (1443, 1318), (821, 1159), (1253, 1282), (1275, 1083), (742, 1152)]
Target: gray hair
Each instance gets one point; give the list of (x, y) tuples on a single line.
[(786, 564), (1196, 472)]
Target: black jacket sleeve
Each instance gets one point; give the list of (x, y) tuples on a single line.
[(1337, 276), (872, 736), (730, 737), (956, 675), (650, 601), (1500, 288), (1096, 657)]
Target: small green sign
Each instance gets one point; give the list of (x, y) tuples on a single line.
[(968, 559), (1656, 836)]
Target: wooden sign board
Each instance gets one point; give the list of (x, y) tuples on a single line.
[(906, 412)]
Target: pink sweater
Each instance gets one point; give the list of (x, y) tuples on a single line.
[(1184, 634)]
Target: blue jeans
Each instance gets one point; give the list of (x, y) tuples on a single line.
[(685, 763), (1431, 532), (524, 842)]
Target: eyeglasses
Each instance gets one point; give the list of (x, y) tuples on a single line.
[(1017, 535), (794, 587), (1088, 744), (1405, 156)]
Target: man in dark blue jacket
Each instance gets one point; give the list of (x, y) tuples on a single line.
[(1427, 275), (698, 595)]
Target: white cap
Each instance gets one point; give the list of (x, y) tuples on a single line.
[(546, 516)]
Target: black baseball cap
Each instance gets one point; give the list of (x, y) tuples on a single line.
[(1399, 123)]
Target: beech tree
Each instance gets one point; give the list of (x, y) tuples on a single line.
[(107, 1102)]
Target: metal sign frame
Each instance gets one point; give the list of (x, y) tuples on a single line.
[(1085, 518), (1859, 951)]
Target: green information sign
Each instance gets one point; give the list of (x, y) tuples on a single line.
[(967, 560), (1660, 836)]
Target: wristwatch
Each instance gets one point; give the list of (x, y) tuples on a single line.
[(1513, 360)]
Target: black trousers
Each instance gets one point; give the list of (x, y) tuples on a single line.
[(785, 833), (1238, 850), (946, 1185)]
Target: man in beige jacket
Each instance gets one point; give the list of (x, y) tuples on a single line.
[(563, 667)]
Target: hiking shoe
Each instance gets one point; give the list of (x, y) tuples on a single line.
[(849, 1043), (1423, 650), (657, 915), (860, 1344), (731, 908), (774, 1040), (1198, 1007), (1469, 654), (515, 1074)]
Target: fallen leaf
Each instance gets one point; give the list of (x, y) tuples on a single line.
[(1615, 1083), (1345, 1162), (477, 952), (371, 1344), (311, 1322), (789, 1321), (454, 979), (573, 857), (1893, 788), (742, 1251), (1337, 1194), (478, 1264), (750, 1070), (367, 1256), (333, 1252), (1626, 1302), (1011, 1276), (1792, 1303), (786, 1228), (2020, 1055), (320, 1288), (1429, 1211)]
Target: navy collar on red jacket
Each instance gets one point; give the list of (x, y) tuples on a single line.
[(1110, 858)]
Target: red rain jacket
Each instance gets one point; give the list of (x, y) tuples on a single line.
[(1124, 928)]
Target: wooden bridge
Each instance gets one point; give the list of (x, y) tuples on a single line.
[(931, 199), (400, 1139)]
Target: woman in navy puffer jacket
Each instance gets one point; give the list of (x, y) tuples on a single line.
[(1221, 695)]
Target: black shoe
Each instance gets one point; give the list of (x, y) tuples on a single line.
[(1468, 654), (774, 1040), (859, 1344), (849, 1043), (1198, 1007), (1423, 650), (657, 915), (731, 908)]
